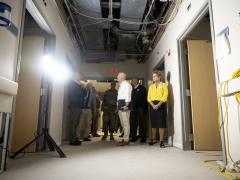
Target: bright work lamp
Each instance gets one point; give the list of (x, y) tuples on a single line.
[(5, 14), (55, 70)]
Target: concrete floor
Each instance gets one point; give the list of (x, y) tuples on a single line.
[(105, 161)]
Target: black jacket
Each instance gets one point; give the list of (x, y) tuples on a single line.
[(139, 97), (76, 95)]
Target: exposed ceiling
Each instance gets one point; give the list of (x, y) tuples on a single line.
[(115, 30)]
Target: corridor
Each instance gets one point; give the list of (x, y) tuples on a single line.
[(120, 89), (106, 161)]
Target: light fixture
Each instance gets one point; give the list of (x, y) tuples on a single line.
[(55, 70), (5, 14), (47, 64)]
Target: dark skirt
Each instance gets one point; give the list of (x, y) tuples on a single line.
[(158, 117)]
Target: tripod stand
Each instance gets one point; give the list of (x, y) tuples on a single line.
[(43, 136), (50, 142)]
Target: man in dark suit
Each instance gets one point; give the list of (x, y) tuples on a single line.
[(76, 93), (139, 110)]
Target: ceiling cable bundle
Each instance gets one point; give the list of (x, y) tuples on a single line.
[(77, 11)]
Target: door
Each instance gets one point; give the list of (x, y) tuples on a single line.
[(28, 97), (206, 133)]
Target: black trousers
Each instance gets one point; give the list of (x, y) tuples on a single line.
[(74, 120), (138, 121), (95, 117)]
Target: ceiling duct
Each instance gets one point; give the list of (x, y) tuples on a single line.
[(91, 29), (127, 43), (132, 10), (116, 40), (114, 4)]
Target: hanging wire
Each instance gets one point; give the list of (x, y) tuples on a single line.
[(145, 20), (84, 15), (130, 22), (99, 22), (114, 19)]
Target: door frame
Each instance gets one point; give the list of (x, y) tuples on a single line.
[(206, 8), (49, 47), (159, 65)]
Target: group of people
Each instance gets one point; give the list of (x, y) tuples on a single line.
[(125, 108), (84, 107)]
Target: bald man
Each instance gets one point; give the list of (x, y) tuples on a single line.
[(123, 101)]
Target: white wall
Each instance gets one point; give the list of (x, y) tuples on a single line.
[(103, 70), (225, 13), (230, 63), (169, 41)]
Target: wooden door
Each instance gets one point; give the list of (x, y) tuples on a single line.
[(203, 96), (28, 97)]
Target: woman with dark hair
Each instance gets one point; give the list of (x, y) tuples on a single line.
[(157, 98)]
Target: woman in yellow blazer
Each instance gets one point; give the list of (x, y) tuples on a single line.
[(157, 98)]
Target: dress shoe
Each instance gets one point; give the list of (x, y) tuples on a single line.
[(152, 142), (123, 143), (104, 138), (121, 135), (87, 139), (111, 138), (75, 143), (96, 135), (143, 141), (133, 140), (162, 145)]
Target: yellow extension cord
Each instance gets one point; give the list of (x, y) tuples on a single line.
[(224, 87), (225, 173), (236, 74)]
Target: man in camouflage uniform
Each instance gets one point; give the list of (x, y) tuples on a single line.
[(109, 106)]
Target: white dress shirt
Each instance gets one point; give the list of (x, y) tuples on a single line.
[(125, 91)]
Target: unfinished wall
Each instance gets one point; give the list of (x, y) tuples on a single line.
[(226, 66), (64, 46)]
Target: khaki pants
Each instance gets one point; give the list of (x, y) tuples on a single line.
[(124, 117), (85, 123)]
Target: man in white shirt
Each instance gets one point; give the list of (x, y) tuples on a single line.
[(124, 100)]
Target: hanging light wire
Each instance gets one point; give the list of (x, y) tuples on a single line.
[(114, 19), (125, 21), (91, 24), (145, 20)]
